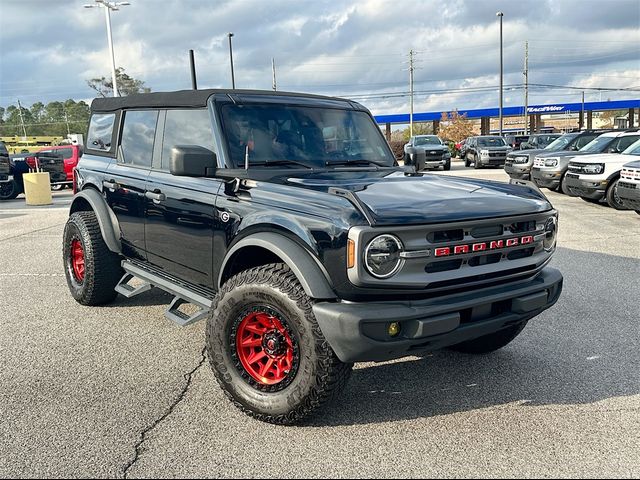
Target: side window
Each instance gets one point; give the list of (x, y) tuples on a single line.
[(186, 127), (66, 153), (582, 141), (138, 133), (625, 142), (100, 131)]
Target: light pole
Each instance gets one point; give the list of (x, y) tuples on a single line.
[(500, 14), (233, 80), (108, 6)]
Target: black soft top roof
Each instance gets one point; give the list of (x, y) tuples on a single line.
[(199, 98)]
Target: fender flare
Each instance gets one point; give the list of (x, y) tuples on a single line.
[(307, 269), (107, 220)]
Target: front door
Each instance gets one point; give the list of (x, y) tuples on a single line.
[(180, 210)]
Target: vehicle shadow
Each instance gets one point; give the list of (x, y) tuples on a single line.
[(152, 297), (584, 349)]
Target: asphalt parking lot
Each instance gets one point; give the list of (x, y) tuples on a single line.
[(120, 391)]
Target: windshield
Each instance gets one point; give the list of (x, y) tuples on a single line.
[(302, 136), (491, 142), (633, 149), (560, 143), (432, 140), (597, 145)]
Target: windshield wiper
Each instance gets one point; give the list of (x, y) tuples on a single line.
[(329, 163), (268, 163)]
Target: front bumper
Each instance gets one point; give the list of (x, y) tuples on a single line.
[(592, 189), (357, 332), (629, 193), (521, 171), (497, 161), (546, 178)]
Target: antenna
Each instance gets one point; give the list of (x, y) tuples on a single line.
[(192, 64)]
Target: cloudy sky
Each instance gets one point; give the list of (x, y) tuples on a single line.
[(357, 49)]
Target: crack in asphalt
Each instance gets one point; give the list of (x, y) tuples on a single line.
[(143, 436)]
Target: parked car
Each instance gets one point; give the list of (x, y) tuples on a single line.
[(539, 140), (629, 185), (293, 237), (427, 151), (22, 163), (71, 155), (485, 150), (549, 169), (518, 164), (515, 141), (596, 177)]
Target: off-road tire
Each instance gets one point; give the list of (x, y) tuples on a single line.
[(317, 377), (9, 190), (612, 198), (490, 343), (102, 268)]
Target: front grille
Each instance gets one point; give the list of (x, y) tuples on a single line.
[(630, 174), (631, 186), (461, 253)]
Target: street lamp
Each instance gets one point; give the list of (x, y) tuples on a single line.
[(500, 14), (108, 6), (233, 81)]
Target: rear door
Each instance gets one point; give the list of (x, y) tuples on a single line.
[(125, 179), (180, 210)]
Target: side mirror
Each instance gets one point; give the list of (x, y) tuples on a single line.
[(192, 161)]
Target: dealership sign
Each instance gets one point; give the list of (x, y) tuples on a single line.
[(545, 109)]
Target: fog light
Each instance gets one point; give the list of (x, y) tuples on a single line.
[(394, 329)]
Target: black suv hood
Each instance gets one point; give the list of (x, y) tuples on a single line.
[(396, 199)]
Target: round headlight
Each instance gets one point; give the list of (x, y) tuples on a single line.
[(382, 256), (550, 234)]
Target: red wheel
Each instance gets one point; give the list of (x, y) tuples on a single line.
[(77, 260), (265, 348)]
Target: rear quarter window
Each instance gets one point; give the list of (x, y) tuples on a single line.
[(100, 135)]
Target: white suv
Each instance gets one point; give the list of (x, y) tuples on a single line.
[(596, 177), (629, 185)]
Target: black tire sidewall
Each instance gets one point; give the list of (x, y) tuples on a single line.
[(73, 231), (237, 383), (14, 192), (611, 194)]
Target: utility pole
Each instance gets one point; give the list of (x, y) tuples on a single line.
[(24, 130), (273, 70), (66, 119), (500, 14), (581, 122), (526, 87), (411, 92)]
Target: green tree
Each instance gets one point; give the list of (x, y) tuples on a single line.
[(126, 84)]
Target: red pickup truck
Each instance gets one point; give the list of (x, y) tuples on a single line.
[(71, 155)]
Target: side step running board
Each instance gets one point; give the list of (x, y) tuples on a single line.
[(183, 295)]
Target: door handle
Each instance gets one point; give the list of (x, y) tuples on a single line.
[(112, 184), (157, 196)]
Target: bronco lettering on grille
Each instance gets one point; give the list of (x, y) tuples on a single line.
[(482, 246)]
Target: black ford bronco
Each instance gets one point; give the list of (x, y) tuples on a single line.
[(282, 219)]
